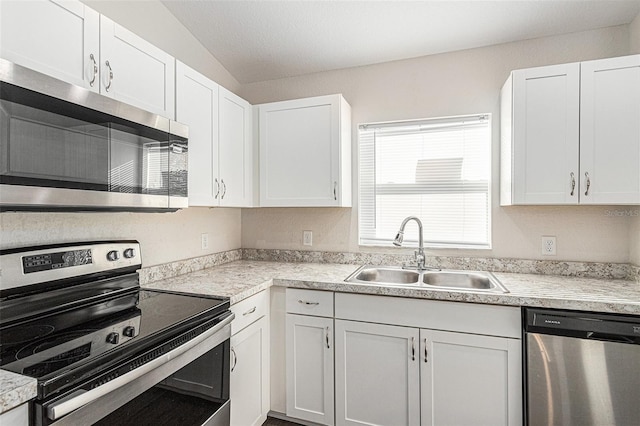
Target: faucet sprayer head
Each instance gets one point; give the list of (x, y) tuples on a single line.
[(397, 241)]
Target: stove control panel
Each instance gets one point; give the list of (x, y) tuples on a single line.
[(40, 264)]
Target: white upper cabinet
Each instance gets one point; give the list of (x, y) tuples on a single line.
[(545, 134), (57, 38), (610, 131), (235, 160), (135, 71), (197, 107), (305, 153), (220, 141), (571, 134)]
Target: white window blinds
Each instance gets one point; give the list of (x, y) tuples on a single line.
[(438, 170)]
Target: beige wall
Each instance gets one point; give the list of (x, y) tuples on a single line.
[(634, 35), (165, 237), (634, 243), (462, 82), (152, 21)]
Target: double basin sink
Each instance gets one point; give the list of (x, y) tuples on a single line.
[(474, 281)]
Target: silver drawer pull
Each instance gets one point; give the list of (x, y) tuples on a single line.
[(586, 175), (108, 86), (426, 352), (413, 349), (250, 311), (573, 183), (95, 69), (304, 302), (235, 359)]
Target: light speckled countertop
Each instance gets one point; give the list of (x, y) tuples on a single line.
[(241, 279), (15, 389)]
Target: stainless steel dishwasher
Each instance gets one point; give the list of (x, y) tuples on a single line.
[(581, 368)]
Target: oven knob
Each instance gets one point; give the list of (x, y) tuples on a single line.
[(113, 255), (113, 338), (129, 331), (129, 253)]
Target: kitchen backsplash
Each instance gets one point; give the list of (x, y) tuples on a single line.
[(180, 267), (523, 266)]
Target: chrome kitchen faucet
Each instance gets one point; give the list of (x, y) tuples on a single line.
[(419, 254)]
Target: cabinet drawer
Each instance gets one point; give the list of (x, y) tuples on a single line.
[(474, 318), (309, 302), (249, 310)]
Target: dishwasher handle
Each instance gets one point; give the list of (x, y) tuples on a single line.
[(609, 337)]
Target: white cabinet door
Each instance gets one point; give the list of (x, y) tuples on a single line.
[(545, 135), (57, 38), (309, 364), (134, 71), (305, 153), (377, 374), (235, 161), (197, 107), (469, 379), (249, 381), (610, 131)]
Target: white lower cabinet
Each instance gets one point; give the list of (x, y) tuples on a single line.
[(249, 379), (377, 374), (402, 361), (468, 379), (309, 368), (18, 416)]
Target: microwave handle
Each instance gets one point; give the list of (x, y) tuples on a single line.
[(78, 399)]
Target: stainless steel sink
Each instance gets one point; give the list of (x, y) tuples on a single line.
[(387, 275), (476, 281)]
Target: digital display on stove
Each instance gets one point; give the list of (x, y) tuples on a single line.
[(63, 259), (59, 361)]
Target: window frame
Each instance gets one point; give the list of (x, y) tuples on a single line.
[(368, 190)]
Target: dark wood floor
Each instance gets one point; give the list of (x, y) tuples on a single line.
[(277, 422)]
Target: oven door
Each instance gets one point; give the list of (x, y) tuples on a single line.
[(187, 386)]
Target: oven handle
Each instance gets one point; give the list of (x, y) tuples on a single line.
[(64, 407)]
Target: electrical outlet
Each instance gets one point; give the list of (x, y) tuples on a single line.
[(307, 238), (204, 241), (548, 246)]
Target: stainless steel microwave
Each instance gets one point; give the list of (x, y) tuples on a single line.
[(63, 147)]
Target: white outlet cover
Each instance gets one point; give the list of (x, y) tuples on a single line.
[(307, 238), (549, 245)]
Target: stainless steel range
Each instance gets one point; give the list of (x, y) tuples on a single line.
[(105, 351)]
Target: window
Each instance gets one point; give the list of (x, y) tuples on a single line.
[(436, 169)]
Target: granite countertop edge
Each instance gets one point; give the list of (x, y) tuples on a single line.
[(15, 390)]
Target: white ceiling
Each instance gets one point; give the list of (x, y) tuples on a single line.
[(264, 40)]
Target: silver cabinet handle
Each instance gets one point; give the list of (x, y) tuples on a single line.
[(327, 337), (586, 175), (217, 188), (250, 311), (304, 302), (224, 188), (573, 183), (335, 190), (108, 86), (95, 70), (235, 359), (426, 352), (413, 349)]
